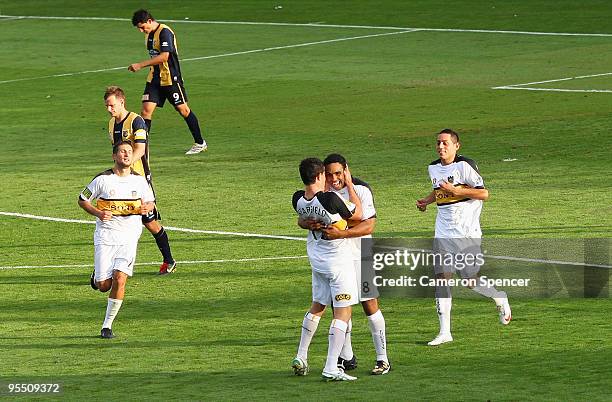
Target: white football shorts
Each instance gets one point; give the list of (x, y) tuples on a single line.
[(109, 258), (334, 281)]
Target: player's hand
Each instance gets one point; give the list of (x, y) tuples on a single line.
[(449, 188), (105, 215), (348, 179), (332, 233), (312, 224), (134, 67), (146, 207), (421, 205)]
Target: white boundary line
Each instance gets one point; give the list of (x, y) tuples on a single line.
[(267, 49), (320, 26), (523, 86), (289, 257), (499, 257), (49, 218)]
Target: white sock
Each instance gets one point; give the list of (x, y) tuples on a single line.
[(377, 327), (488, 291), (112, 308), (309, 327), (347, 348), (443, 305), (337, 333)]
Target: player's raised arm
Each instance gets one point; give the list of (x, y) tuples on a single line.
[(353, 197)]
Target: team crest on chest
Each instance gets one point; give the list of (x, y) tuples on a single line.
[(125, 134), (134, 194)]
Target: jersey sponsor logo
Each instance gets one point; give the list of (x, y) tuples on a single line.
[(343, 296), (444, 197), (86, 193), (164, 44), (120, 207)]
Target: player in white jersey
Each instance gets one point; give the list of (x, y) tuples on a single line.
[(459, 192), (331, 262), (122, 197), (335, 165)]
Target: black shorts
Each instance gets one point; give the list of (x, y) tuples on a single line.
[(175, 94)]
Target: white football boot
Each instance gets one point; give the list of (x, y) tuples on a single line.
[(300, 366), (440, 339), (339, 375)]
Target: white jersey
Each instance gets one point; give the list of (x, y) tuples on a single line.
[(458, 217), (123, 195), (327, 208), (367, 207)]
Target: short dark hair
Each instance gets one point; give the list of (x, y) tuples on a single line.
[(454, 135), (118, 144), (310, 168), (141, 16), (335, 158), (114, 90)]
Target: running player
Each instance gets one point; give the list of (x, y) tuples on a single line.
[(331, 262), (459, 192), (128, 126), (122, 197), (164, 80)]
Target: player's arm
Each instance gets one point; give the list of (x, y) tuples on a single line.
[(98, 213), (422, 203), (353, 197), (363, 228), (153, 61), (466, 192), (309, 224)]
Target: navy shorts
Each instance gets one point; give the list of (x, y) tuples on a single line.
[(175, 94)]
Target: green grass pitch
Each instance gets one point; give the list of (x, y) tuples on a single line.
[(226, 325)]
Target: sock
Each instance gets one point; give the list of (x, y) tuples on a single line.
[(488, 291), (347, 348), (309, 327), (148, 123), (443, 305), (337, 333), (161, 238), (194, 127), (112, 308), (377, 327)]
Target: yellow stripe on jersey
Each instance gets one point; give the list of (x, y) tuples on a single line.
[(120, 207), (165, 77), (127, 134), (445, 198)]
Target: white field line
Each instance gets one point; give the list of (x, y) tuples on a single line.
[(318, 25), (218, 232), (267, 49), (499, 257), (9, 18), (289, 257), (527, 86)]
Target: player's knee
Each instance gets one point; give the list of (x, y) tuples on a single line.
[(105, 285)]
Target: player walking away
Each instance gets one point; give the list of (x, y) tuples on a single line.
[(164, 80), (331, 262), (128, 126), (459, 192), (335, 166), (122, 197)]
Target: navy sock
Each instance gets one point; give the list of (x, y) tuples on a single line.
[(194, 127)]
